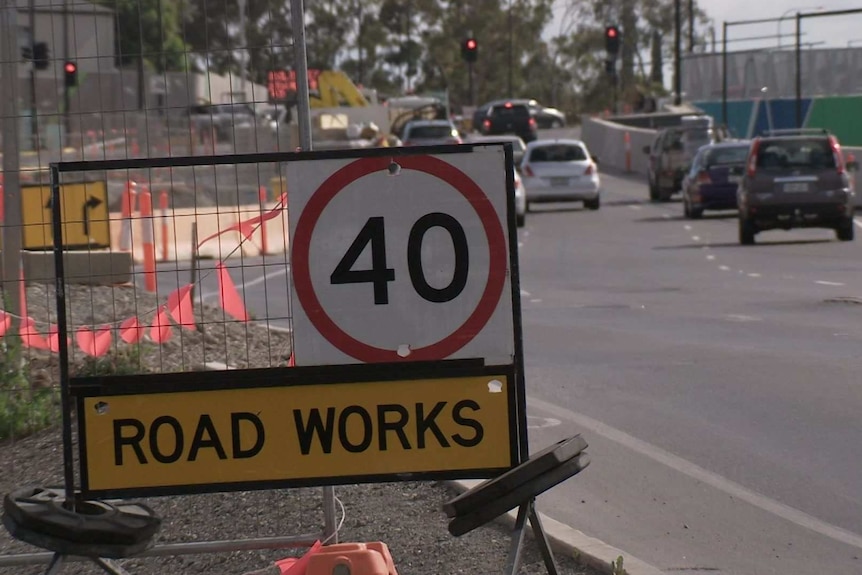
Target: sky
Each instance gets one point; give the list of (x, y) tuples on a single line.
[(825, 31)]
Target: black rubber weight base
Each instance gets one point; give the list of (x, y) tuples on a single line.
[(43, 511), (538, 463), (524, 492), (64, 547)]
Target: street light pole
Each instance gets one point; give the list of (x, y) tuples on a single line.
[(511, 51), (798, 70), (724, 73), (677, 53)]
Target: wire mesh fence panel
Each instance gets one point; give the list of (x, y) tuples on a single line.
[(175, 269)]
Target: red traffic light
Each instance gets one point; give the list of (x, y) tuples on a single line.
[(471, 44), (70, 67), (612, 32)]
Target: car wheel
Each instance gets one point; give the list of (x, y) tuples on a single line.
[(686, 211), (695, 213), (746, 232), (653, 192), (592, 204), (557, 124), (529, 207), (845, 231), (520, 220)]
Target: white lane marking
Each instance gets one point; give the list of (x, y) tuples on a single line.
[(666, 216), (687, 227), (710, 257), (825, 283), (250, 283), (696, 238), (535, 301), (700, 474), (635, 207), (536, 422), (740, 317), (858, 222), (525, 293), (520, 244), (724, 268), (754, 275)]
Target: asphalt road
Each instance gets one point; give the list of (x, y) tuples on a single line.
[(717, 385)]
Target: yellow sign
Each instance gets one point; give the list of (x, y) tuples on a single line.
[(159, 441), (84, 212)]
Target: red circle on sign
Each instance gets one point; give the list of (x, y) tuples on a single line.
[(496, 270)]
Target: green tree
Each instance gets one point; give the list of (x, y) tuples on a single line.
[(148, 29)]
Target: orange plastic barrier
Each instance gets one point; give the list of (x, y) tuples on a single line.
[(372, 558)]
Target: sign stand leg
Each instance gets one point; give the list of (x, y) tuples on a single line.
[(542, 539), (107, 565), (527, 510)]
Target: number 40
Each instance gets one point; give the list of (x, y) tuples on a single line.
[(379, 275)]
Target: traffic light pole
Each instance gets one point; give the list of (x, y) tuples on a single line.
[(470, 83), (34, 124)]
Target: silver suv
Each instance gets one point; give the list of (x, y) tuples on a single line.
[(795, 179)]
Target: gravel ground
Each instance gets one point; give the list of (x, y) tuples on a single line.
[(407, 516)]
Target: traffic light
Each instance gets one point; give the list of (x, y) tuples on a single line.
[(70, 72), (612, 41), (40, 55), (469, 49)]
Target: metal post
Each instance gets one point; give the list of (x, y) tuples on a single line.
[(798, 70), (677, 53), (303, 114), (511, 51), (11, 159), (67, 120), (724, 74), (300, 58)]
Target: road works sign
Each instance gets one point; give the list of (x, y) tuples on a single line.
[(401, 258), (291, 427), (84, 211)]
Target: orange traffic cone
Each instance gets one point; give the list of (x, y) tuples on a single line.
[(371, 558), (127, 207), (148, 239)]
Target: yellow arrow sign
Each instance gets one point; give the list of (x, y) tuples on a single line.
[(84, 212)]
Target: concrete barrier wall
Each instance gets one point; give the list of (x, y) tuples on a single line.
[(607, 140)]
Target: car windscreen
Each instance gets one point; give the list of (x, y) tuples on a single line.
[(558, 153), (796, 153), (726, 156), (430, 132)]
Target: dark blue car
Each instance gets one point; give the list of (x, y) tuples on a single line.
[(715, 173)]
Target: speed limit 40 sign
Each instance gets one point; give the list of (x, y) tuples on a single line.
[(402, 257)]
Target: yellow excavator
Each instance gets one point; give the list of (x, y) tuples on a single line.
[(332, 88)]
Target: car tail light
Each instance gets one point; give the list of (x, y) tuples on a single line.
[(703, 177), (528, 170), (487, 124), (836, 153), (751, 168), (532, 122), (589, 170)]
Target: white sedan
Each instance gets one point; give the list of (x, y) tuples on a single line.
[(560, 171)]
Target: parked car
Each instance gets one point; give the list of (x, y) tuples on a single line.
[(713, 178), (509, 118), (223, 118), (560, 171), (795, 179), (672, 151), (518, 145), (430, 133), (545, 116)]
